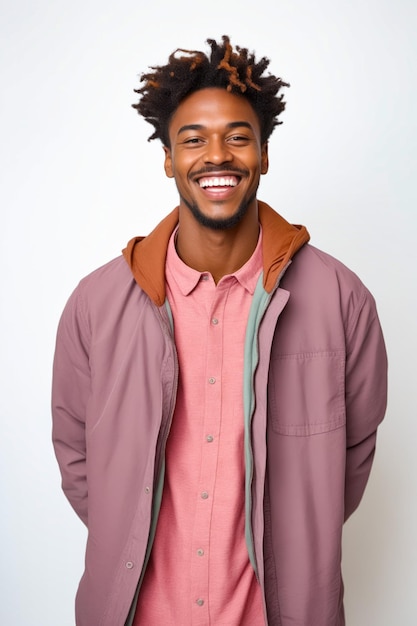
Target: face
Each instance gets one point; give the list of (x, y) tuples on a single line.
[(216, 157)]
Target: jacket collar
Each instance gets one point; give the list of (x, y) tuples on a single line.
[(146, 255)]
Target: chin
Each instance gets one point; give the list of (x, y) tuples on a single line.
[(219, 223)]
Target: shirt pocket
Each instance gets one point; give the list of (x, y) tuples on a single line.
[(306, 393)]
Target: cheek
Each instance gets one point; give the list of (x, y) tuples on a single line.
[(181, 166)]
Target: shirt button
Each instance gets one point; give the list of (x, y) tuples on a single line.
[(212, 380), (200, 552), (204, 277), (209, 438), (204, 495), (129, 565), (147, 489), (214, 321), (200, 602)]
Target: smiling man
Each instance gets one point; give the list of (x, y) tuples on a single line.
[(217, 160), (217, 388)]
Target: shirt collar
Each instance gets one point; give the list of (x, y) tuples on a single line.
[(188, 278)]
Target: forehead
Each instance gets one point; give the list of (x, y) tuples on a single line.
[(213, 107)]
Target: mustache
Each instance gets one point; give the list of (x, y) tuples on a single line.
[(213, 169)]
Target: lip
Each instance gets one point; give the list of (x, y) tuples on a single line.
[(218, 181), (219, 191), (216, 173)]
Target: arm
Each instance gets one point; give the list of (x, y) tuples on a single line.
[(366, 396), (70, 392)]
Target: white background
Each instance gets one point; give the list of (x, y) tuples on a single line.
[(78, 179)]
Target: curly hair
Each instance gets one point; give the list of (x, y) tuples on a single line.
[(188, 71)]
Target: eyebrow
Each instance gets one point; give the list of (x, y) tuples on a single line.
[(230, 126)]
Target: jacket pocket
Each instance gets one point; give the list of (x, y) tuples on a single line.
[(306, 393)]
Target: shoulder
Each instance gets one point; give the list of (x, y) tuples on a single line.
[(319, 282), (105, 293), (314, 268), (108, 281), (320, 262), (111, 273)]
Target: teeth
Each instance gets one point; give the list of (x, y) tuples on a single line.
[(218, 182)]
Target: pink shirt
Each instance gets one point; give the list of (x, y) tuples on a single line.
[(199, 571)]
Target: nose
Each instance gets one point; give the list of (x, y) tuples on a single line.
[(217, 151)]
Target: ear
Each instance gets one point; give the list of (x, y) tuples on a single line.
[(264, 158), (168, 162)]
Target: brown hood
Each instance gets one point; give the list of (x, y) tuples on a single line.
[(146, 255)]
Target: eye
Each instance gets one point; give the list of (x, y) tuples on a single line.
[(239, 139), (193, 141)]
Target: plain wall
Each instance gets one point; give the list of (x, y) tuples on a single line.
[(78, 179)]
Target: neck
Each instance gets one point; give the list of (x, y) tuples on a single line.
[(219, 252)]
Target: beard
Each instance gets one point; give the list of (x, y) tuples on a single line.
[(221, 223)]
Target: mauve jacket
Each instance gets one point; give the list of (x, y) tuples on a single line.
[(315, 392)]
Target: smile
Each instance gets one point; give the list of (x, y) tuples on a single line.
[(218, 181)]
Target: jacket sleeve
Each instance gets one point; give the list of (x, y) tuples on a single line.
[(70, 393), (366, 396)]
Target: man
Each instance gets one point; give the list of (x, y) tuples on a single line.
[(217, 389)]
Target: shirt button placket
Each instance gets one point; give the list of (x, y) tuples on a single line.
[(206, 491)]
